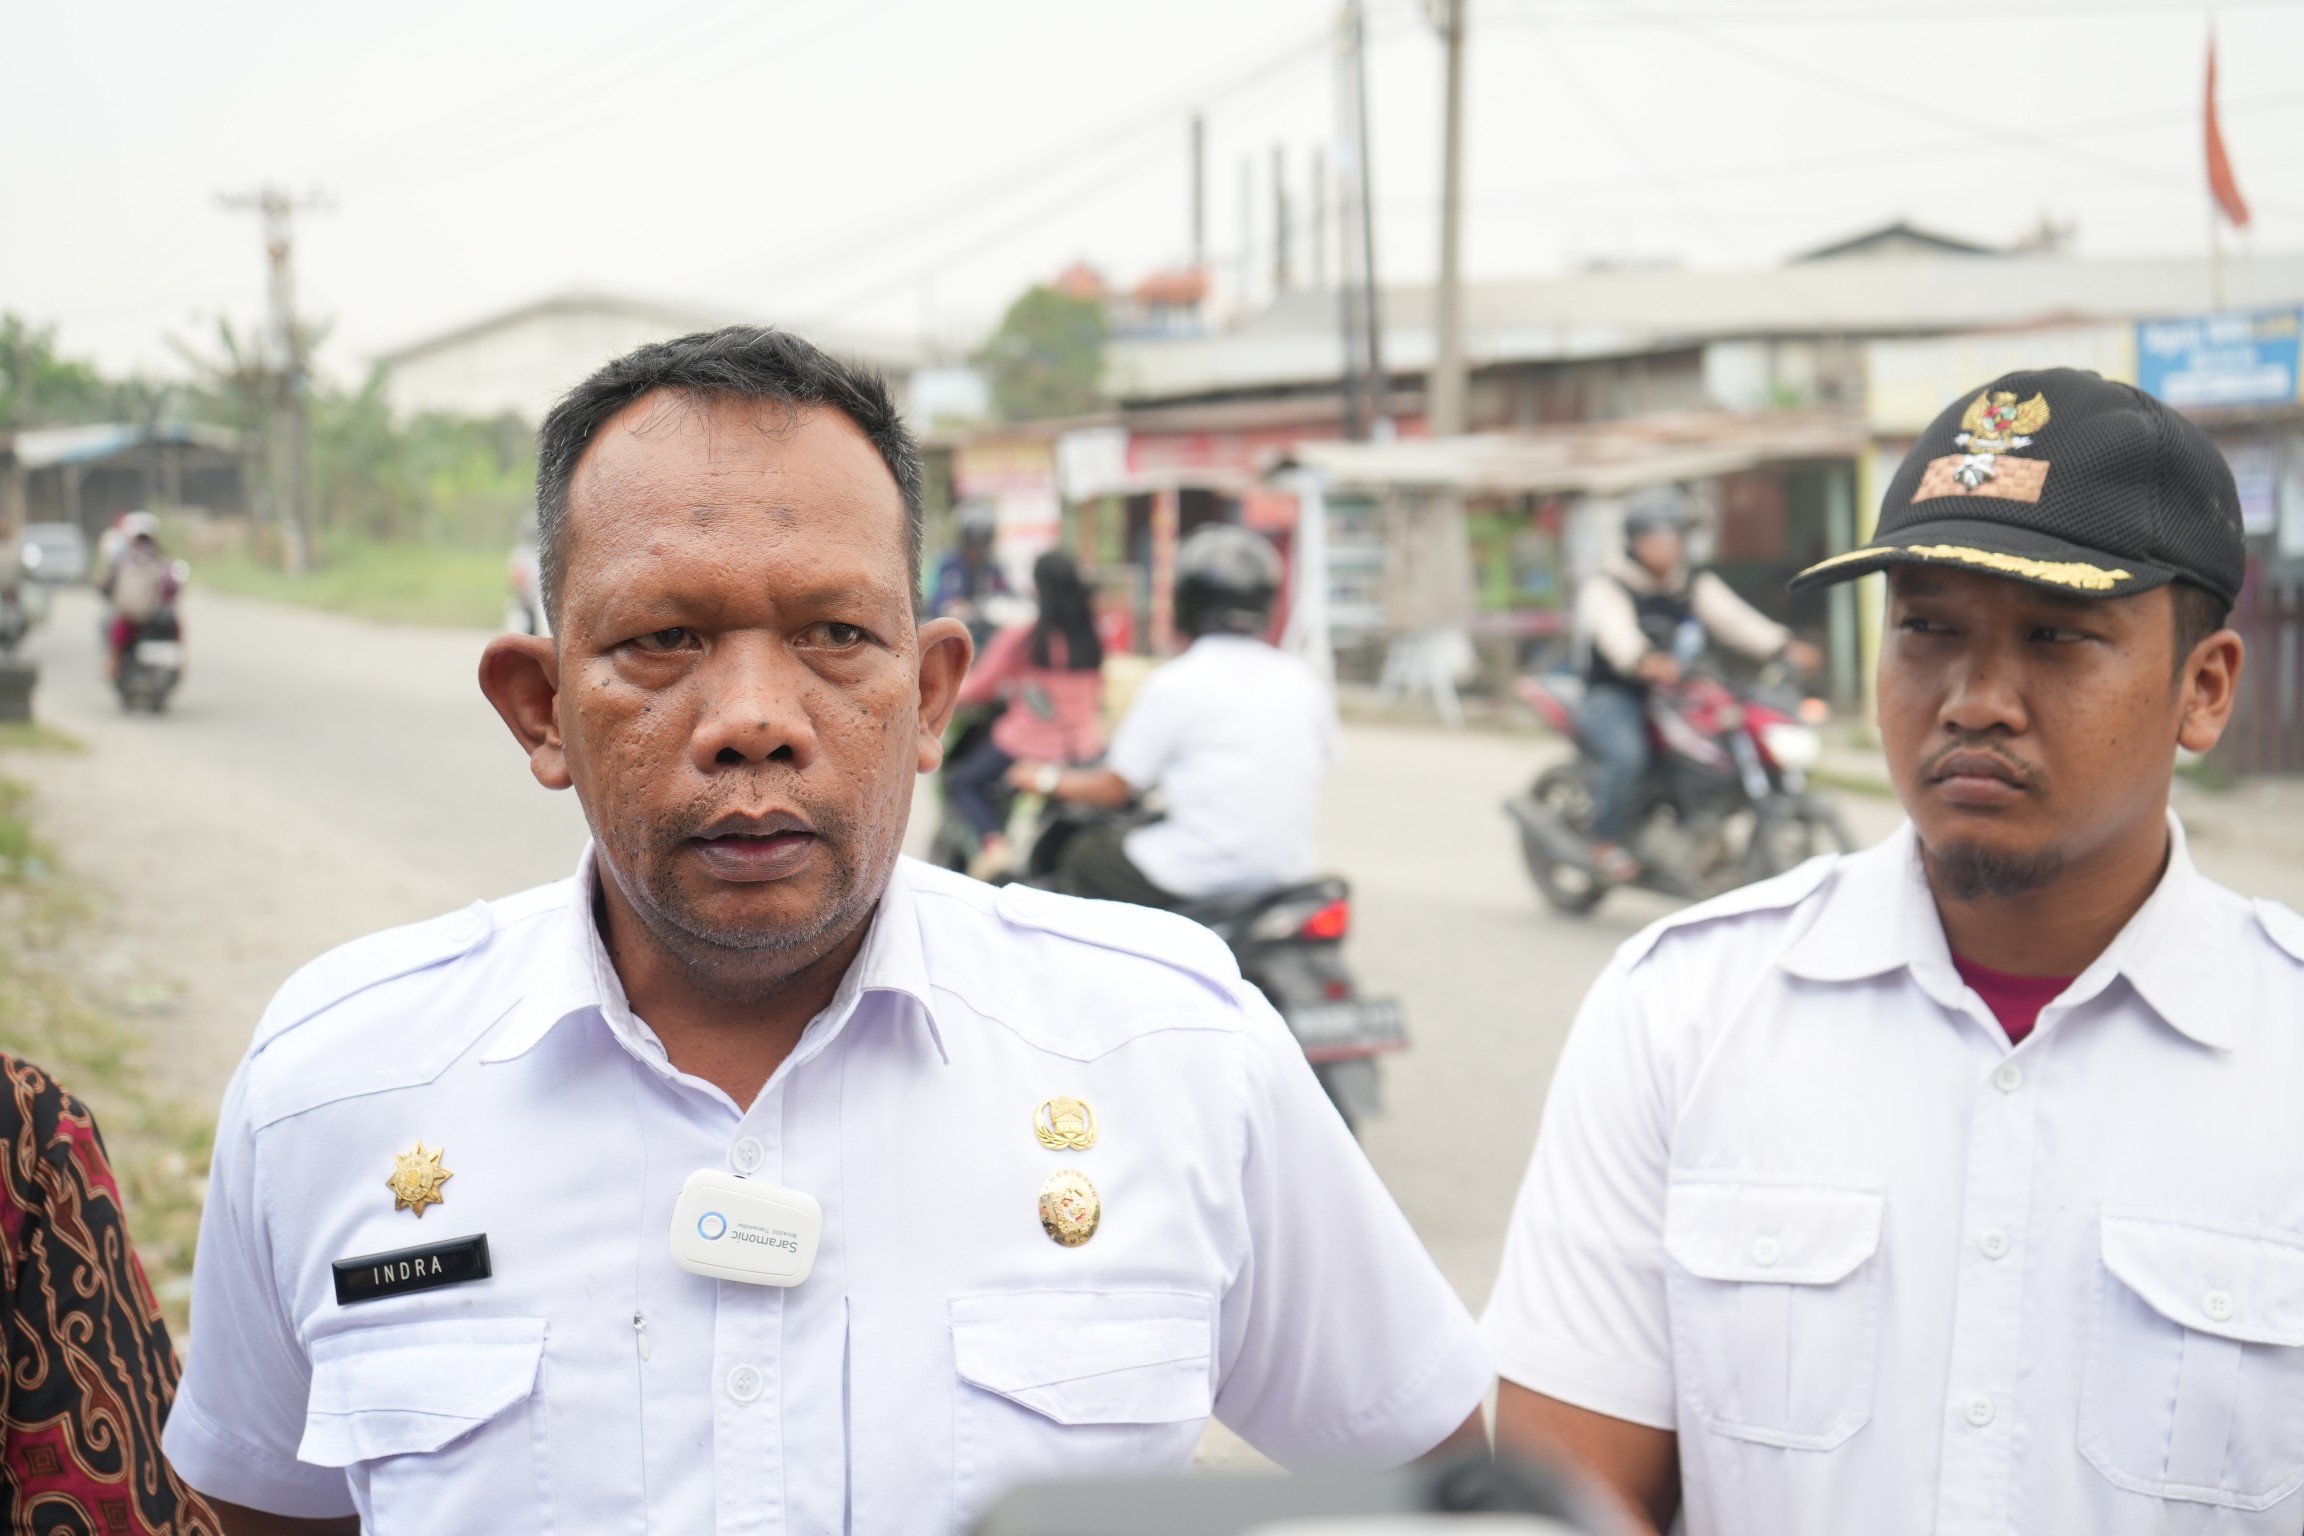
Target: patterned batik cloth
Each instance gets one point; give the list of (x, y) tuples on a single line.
[(89, 1369)]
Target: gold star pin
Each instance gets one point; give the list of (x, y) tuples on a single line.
[(416, 1180), (1064, 1124)]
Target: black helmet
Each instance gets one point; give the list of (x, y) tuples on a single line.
[(1656, 509), (1226, 581), (976, 521)]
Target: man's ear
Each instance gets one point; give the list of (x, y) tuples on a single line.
[(2211, 685), (945, 651), (521, 676)]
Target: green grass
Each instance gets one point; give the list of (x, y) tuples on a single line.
[(400, 583), (159, 1147)]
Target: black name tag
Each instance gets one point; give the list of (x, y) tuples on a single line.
[(405, 1271)]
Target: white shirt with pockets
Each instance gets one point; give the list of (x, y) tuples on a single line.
[(1248, 1263), (1796, 1198), (1236, 735)]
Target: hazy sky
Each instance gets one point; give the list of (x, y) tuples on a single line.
[(908, 165)]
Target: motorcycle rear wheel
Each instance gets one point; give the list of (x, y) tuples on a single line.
[(1786, 837), (1568, 793)]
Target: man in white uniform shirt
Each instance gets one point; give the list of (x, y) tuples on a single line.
[(473, 1258), (1235, 734), (1957, 1186)]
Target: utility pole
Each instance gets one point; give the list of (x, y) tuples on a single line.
[(1318, 221), (288, 414), (1199, 193), (1359, 303), (1444, 396), (1283, 278)]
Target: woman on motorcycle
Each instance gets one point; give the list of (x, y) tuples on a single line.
[(1051, 673)]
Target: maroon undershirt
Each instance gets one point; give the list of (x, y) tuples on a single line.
[(2015, 1001)]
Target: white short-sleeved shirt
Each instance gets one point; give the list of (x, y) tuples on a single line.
[(1236, 735), (1796, 1198), (1248, 1262)]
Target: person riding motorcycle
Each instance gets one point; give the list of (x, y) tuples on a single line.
[(1050, 673), (1236, 735), (1634, 618), (139, 583), (968, 577)]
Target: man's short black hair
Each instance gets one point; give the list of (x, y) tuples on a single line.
[(744, 362), (2199, 613)]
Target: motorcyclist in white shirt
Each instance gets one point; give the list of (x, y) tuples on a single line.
[(1236, 735)]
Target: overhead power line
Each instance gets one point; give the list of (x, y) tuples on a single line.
[(1082, 164), (1873, 94)]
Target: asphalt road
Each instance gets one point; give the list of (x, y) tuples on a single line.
[(319, 778)]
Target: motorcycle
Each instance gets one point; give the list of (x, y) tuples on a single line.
[(1289, 942), (151, 663), (1726, 800)]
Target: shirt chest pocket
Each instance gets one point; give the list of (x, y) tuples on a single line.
[(435, 1423), (1774, 1292), (2194, 1383), (1056, 1384)]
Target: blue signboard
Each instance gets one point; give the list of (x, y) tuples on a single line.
[(2212, 360)]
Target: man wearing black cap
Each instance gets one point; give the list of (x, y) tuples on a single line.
[(1957, 1185)]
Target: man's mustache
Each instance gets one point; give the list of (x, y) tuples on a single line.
[(1973, 759)]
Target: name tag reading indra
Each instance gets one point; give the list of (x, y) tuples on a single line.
[(404, 1271)]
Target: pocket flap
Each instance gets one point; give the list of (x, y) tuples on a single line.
[(415, 1386), (2226, 1278), (1782, 1234), (1078, 1357)]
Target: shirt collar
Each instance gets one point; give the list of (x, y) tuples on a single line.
[(573, 975), (1880, 916)]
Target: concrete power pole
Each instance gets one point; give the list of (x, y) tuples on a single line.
[(1444, 398), (1199, 193), (1359, 300), (288, 417)]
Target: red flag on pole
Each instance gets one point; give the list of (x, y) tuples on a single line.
[(2222, 185)]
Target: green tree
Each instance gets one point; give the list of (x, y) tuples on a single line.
[(40, 389), (1047, 357)]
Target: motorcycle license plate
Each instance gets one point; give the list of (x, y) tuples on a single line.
[(1361, 1027), (160, 653)]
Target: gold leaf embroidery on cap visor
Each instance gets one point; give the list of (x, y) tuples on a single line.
[(2062, 573)]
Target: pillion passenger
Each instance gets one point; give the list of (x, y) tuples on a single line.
[(755, 1178)]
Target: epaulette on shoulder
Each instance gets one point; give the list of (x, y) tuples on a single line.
[(2282, 926), (1142, 931), (371, 961), (1786, 890)]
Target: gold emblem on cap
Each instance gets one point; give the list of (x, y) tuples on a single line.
[(1064, 1124), (416, 1179), (1069, 1208), (1993, 424)]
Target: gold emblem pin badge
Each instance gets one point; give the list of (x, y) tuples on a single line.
[(416, 1179), (1065, 1125), (1069, 1208)]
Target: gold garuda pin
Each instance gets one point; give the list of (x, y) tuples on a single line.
[(1064, 1124), (416, 1180), (1069, 1208), (1993, 424)]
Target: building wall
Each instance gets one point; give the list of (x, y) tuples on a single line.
[(522, 366)]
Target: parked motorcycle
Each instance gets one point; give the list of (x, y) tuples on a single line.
[(1726, 800), (1289, 942), (151, 663)]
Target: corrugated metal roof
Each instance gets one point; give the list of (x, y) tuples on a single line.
[(46, 447), (1294, 342), (1598, 458)]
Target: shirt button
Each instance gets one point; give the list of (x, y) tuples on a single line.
[(744, 1383), (1978, 1412), (2009, 1078), (747, 1155), (2218, 1306), (1994, 1244), (1766, 1251)]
